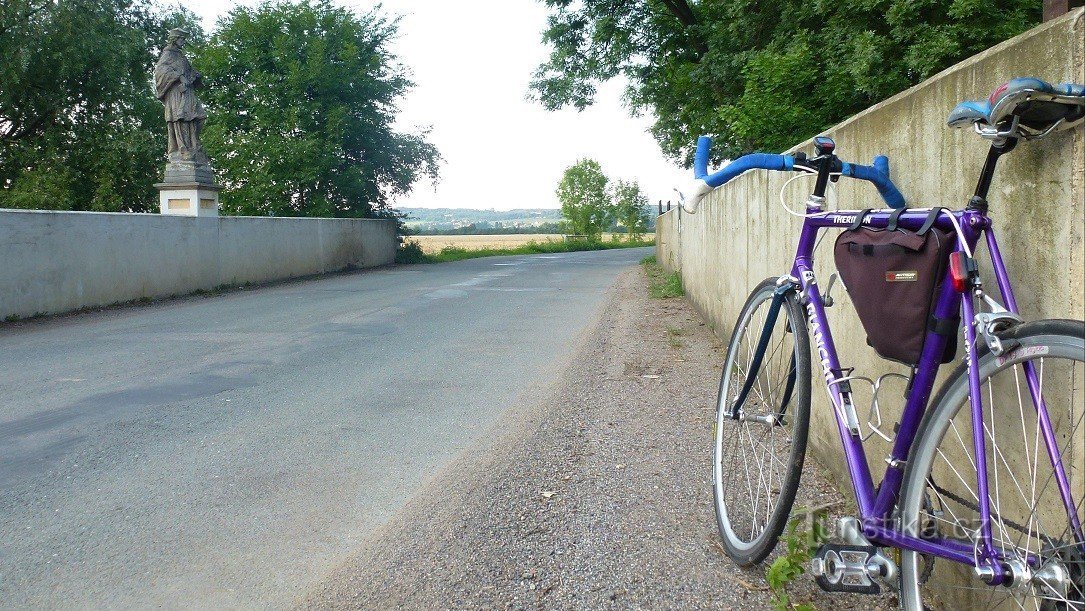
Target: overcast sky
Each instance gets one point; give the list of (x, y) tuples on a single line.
[(471, 63)]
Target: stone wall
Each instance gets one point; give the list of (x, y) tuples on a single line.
[(54, 262)]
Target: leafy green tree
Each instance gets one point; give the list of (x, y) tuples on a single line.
[(631, 209), (760, 75), (585, 205), (301, 99), (79, 124)]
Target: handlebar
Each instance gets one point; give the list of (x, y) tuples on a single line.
[(704, 183), (878, 175)]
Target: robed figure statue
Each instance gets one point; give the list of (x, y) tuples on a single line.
[(175, 84)]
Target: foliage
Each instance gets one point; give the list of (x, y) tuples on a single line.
[(454, 253), (631, 208), (585, 204), (759, 75), (410, 251), (302, 98), (801, 544), (661, 283), (80, 128)]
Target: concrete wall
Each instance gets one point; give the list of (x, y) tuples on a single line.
[(59, 261), (741, 235)]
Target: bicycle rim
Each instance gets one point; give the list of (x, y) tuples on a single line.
[(757, 464), (1031, 526)]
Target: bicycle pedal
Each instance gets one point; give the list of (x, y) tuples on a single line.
[(847, 568)]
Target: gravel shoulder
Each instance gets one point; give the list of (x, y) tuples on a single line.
[(597, 495)]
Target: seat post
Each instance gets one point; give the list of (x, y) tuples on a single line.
[(979, 199)]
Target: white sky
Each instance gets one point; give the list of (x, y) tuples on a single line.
[(471, 62)]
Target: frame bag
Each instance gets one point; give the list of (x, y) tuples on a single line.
[(893, 277)]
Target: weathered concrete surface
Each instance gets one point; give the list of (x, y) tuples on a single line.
[(61, 261), (741, 235)]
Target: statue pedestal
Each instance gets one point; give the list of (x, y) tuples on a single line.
[(188, 171), (188, 199)]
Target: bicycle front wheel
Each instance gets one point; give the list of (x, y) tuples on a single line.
[(1034, 530), (760, 445)]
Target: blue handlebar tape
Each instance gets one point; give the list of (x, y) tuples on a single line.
[(878, 173), (881, 163), (753, 161), (700, 159), (879, 176)]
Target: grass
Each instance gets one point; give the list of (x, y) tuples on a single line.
[(412, 251), (661, 283), (673, 335)]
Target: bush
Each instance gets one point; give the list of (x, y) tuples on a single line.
[(410, 252)]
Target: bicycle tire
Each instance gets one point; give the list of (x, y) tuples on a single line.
[(792, 452), (923, 495)]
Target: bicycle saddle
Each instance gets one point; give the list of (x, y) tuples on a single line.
[(1025, 107)]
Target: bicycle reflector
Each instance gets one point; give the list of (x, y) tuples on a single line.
[(963, 270)]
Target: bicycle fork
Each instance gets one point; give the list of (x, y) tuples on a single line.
[(735, 409)]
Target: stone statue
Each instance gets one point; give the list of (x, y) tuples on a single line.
[(175, 84)]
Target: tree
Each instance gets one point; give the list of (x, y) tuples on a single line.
[(301, 100), (760, 75), (79, 124), (585, 205), (631, 209)]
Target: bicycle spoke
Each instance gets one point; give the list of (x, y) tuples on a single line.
[(1024, 498), (760, 481)]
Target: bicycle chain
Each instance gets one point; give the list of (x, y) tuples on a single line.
[(928, 567), (929, 559), (953, 497)]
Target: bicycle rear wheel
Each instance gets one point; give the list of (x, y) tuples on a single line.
[(1032, 527), (759, 450)]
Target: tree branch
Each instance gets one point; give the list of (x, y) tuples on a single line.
[(682, 11)]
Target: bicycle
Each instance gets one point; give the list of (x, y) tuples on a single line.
[(985, 511)]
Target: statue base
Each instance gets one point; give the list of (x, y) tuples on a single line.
[(189, 172), (188, 198)]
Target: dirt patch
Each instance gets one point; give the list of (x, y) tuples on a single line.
[(598, 496)]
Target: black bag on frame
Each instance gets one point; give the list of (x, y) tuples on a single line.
[(893, 277)]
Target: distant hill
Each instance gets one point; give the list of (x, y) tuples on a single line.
[(530, 220), (432, 221)]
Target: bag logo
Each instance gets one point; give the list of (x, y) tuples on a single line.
[(905, 276)]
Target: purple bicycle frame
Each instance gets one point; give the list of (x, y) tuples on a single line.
[(876, 506)]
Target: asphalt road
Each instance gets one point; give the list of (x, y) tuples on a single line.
[(232, 450)]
